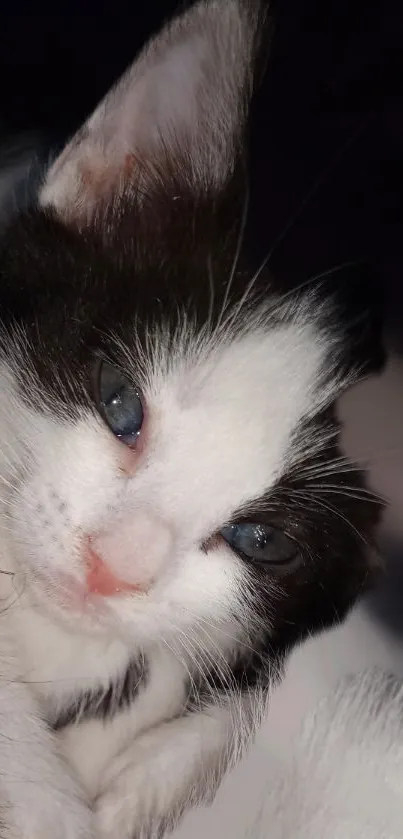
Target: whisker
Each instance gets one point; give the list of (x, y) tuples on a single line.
[(318, 182), (211, 283), (198, 658), (237, 640), (331, 509), (220, 658), (292, 293), (344, 464), (315, 278), (239, 243), (181, 660), (350, 492)]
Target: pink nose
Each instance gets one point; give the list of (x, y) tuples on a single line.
[(128, 555), (100, 580)]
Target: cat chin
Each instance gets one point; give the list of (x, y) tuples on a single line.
[(89, 615), (65, 608)]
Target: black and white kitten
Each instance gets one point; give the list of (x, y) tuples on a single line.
[(173, 513)]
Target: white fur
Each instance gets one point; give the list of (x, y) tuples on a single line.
[(340, 778), (327, 762), (40, 786)]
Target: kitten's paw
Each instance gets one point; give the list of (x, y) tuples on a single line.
[(151, 784), (121, 809), (134, 804)]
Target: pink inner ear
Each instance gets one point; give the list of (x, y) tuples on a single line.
[(100, 176), (129, 164), (182, 103)]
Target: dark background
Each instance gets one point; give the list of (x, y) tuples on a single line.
[(330, 111)]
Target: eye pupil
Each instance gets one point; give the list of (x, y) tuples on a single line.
[(119, 403), (260, 543), (116, 400)]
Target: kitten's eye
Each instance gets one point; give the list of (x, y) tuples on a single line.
[(260, 543), (119, 403)]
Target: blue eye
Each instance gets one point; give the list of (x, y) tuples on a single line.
[(260, 543), (119, 403)]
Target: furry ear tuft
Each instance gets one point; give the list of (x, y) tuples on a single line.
[(181, 106)]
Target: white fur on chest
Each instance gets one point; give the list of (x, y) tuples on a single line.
[(61, 665), (92, 744)]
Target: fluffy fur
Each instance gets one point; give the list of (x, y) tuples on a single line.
[(119, 711), (328, 760)]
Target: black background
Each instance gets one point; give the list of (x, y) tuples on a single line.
[(330, 113)]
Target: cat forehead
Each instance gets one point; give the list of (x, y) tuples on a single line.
[(223, 422), (262, 367)]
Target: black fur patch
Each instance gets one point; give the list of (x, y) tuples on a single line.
[(324, 505), (142, 267), (103, 703), (70, 290)]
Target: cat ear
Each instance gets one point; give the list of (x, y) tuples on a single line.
[(180, 107)]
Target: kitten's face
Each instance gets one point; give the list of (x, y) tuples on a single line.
[(166, 430)]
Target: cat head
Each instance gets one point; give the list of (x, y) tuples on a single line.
[(170, 454)]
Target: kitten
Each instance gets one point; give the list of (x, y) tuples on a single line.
[(174, 515)]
